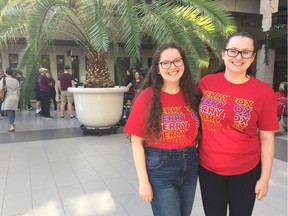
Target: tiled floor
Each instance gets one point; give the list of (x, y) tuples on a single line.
[(49, 168)]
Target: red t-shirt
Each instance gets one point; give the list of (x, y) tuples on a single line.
[(179, 123), (231, 115), (65, 81), (44, 83)]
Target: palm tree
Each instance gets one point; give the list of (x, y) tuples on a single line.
[(100, 25)]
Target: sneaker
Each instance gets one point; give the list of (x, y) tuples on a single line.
[(39, 114), (62, 117), (72, 117)]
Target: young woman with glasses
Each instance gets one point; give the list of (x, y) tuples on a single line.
[(164, 125), (238, 116)]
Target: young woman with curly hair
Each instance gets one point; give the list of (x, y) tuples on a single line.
[(164, 125)]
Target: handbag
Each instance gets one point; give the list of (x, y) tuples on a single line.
[(3, 90)]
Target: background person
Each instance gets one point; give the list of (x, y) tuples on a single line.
[(238, 116), (281, 96), (282, 104), (10, 103), (129, 76), (38, 111), (44, 86), (52, 90), (65, 81), (165, 155), (23, 103), (2, 112), (134, 87)]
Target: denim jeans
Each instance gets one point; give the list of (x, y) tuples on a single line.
[(173, 176), (11, 116)]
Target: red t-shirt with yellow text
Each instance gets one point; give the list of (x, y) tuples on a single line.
[(179, 123)]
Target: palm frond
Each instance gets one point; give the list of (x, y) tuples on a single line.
[(94, 15), (129, 28), (216, 11)]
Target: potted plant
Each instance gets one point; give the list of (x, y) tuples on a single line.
[(99, 26)]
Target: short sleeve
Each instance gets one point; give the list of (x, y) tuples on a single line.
[(268, 120), (137, 121)]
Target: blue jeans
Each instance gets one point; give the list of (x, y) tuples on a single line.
[(11, 116), (173, 176)]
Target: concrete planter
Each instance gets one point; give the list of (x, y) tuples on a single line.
[(98, 107)]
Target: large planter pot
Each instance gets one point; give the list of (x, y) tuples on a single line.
[(98, 107)]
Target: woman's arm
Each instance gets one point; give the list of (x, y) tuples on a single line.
[(145, 189), (130, 85), (267, 155)]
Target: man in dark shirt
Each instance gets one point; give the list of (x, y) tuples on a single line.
[(65, 81), (44, 84)]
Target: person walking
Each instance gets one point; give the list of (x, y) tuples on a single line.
[(239, 117), (164, 124), (10, 103), (65, 81)]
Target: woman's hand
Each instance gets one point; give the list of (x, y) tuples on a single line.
[(261, 189), (145, 191)]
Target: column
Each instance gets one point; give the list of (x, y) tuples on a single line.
[(266, 72)]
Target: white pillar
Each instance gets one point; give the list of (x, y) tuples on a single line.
[(266, 72), (267, 7)]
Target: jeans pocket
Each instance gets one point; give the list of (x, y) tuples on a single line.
[(154, 162)]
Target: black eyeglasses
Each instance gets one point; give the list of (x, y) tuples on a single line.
[(167, 64), (245, 54)]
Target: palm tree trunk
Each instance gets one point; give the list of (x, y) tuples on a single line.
[(98, 74)]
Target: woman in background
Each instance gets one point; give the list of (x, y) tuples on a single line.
[(10, 103)]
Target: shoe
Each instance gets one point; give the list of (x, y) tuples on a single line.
[(72, 117), (62, 117), (38, 114), (11, 130)]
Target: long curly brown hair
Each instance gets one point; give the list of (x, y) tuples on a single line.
[(154, 80)]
